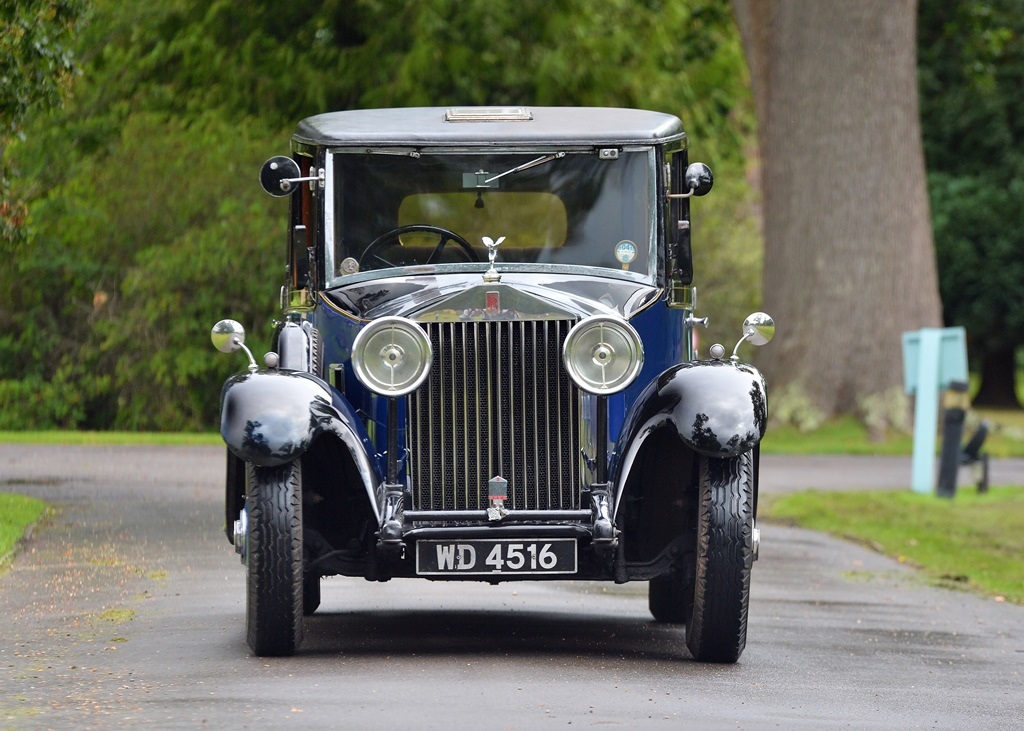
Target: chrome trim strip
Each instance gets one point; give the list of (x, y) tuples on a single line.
[(506, 268), (558, 392), (652, 216), (650, 276), (344, 313), (482, 470), (328, 206), (491, 416), (499, 426), (547, 406), (536, 432), (441, 408), (461, 516), (563, 302)]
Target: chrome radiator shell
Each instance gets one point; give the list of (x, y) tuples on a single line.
[(497, 402)]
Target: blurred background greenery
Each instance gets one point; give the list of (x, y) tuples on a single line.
[(133, 133)]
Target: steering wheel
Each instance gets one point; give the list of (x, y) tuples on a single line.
[(370, 252)]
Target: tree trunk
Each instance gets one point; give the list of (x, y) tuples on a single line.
[(998, 381), (849, 261)]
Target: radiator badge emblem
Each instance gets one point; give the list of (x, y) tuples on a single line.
[(497, 489), (491, 275), (493, 303)]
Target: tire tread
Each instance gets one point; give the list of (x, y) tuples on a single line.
[(717, 628), (275, 599)]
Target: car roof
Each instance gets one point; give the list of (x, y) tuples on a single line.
[(490, 126)]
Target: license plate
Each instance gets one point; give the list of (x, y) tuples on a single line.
[(475, 557)]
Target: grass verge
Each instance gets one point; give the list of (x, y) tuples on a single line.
[(839, 436), (17, 512), (848, 436), (972, 542), (111, 437)]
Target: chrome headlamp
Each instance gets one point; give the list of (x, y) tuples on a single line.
[(391, 356), (603, 355)]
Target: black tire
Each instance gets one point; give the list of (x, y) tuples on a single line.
[(310, 594), (275, 597), (669, 599), (716, 630)]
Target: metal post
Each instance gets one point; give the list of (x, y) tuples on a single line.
[(972, 455), (954, 404), (393, 517), (600, 491), (602, 439), (392, 441)]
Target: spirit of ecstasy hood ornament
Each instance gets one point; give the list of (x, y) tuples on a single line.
[(492, 275)]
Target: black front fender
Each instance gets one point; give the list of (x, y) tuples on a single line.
[(272, 417), (718, 408)]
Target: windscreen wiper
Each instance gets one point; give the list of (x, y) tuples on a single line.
[(526, 166)]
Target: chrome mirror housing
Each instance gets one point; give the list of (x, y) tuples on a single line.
[(759, 328), (228, 336)]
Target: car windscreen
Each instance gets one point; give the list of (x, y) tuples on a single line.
[(549, 207)]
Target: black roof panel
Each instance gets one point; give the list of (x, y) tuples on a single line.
[(428, 126)]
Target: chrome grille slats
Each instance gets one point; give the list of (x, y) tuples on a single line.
[(497, 402)]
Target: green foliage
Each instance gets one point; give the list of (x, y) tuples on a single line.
[(36, 65), (980, 240), (680, 57), (146, 224), (270, 60), (971, 59), (972, 541), (142, 249), (35, 60)]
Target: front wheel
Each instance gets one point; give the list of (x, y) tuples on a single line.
[(716, 629), (274, 604), (670, 599), (310, 594)]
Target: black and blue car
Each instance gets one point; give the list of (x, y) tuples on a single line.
[(484, 370)]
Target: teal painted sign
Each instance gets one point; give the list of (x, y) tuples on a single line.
[(932, 359)]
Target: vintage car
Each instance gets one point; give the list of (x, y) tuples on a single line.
[(484, 370)]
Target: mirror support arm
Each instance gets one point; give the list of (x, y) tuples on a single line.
[(320, 177), (746, 336)]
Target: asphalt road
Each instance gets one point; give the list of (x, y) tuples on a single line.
[(127, 610)]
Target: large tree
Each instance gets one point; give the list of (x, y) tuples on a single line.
[(849, 263)]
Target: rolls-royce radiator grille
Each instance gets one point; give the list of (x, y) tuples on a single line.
[(497, 402)]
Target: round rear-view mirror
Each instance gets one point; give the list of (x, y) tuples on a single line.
[(227, 336), (759, 328), (698, 178), (276, 173)]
